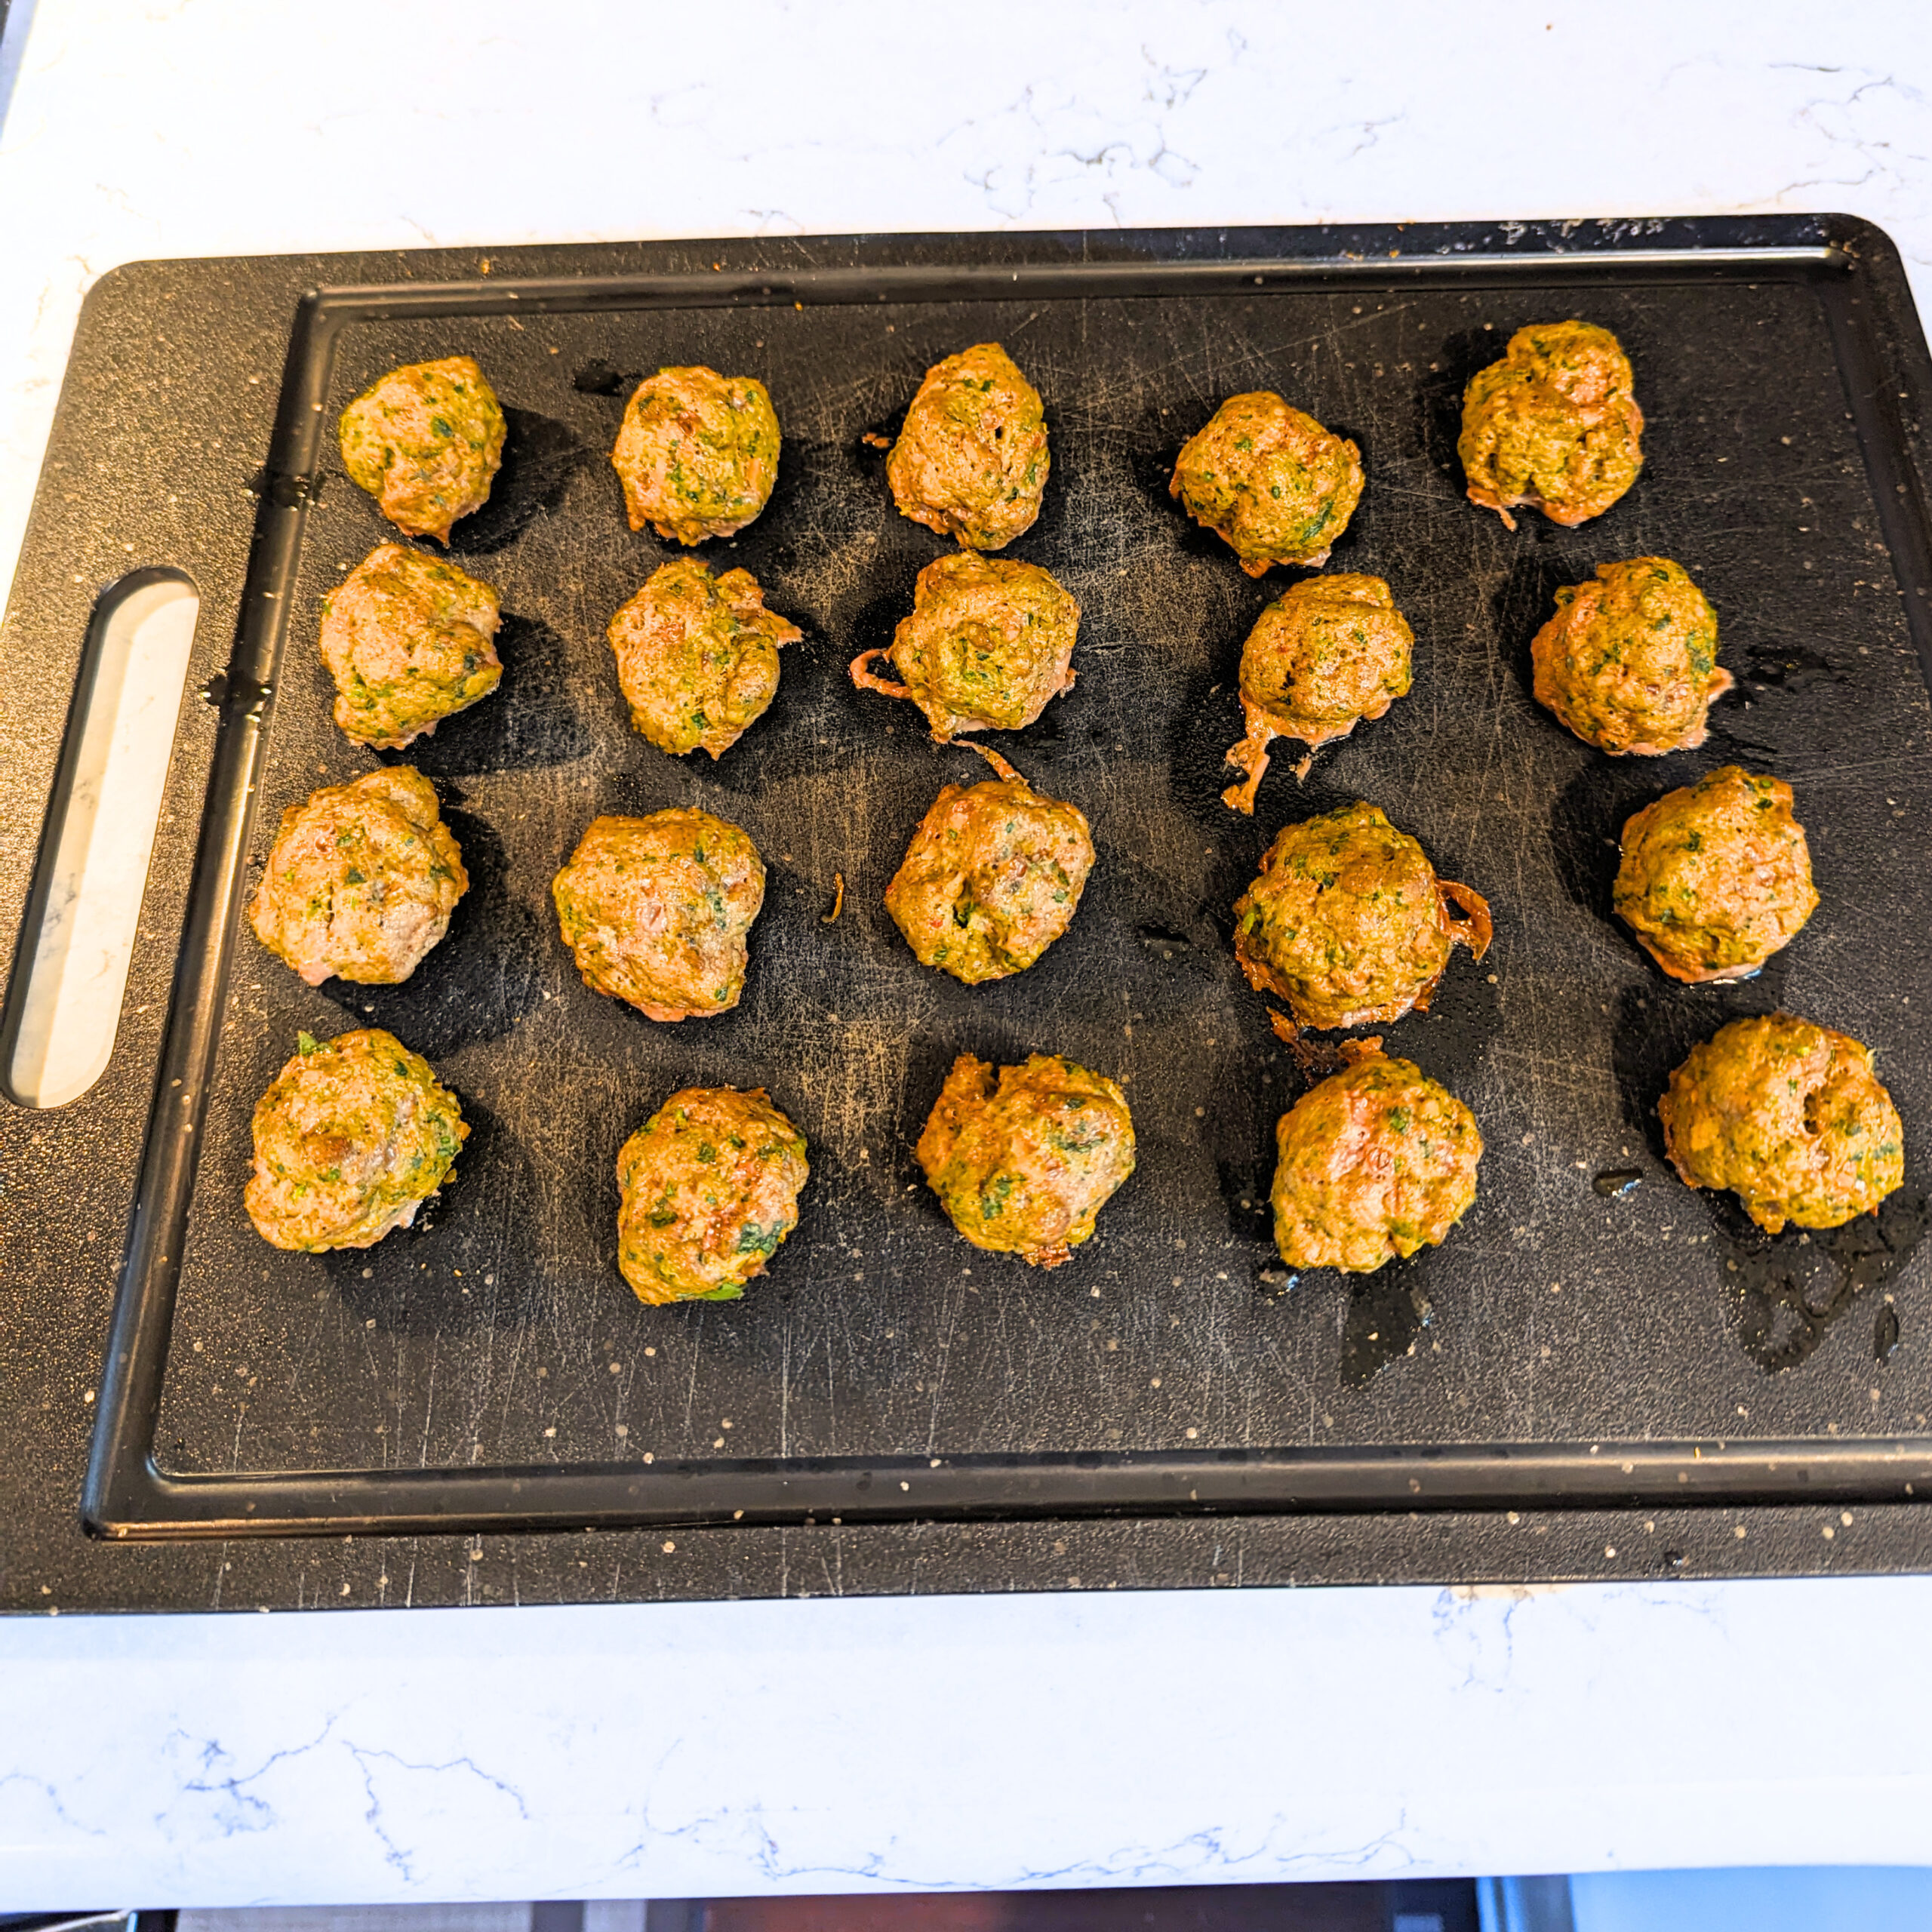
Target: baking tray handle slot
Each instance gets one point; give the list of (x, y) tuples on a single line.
[(63, 1008)]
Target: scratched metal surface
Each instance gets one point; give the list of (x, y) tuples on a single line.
[(499, 1332)]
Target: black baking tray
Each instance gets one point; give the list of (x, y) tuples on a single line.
[(1641, 1376)]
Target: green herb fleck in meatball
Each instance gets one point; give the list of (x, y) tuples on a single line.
[(409, 640), (709, 1187), (697, 657), (658, 911), (988, 643), (1271, 480), (1374, 1163), (425, 442), (1329, 652), (1790, 1117), (1715, 877), (992, 877), (697, 454), (970, 460), (1553, 425), (361, 880), (1348, 923), (354, 1135), (1024, 1162), (1629, 663)]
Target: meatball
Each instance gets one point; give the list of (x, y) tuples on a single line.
[(361, 880), (1348, 923), (992, 877), (409, 640), (1715, 877), (1790, 1117), (710, 1188), (988, 642), (1270, 480), (1629, 663), (1552, 426), (354, 1135), (970, 461), (697, 657), (656, 910), (425, 442), (1023, 1165), (697, 454), (1374, 1163), (1332, 651)]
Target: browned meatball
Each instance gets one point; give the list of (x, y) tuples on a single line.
[(971, 460), (1715, 877), (1552, 426), (709, 1189), (1024, 1165), (992, 877), (1348, 923), (697, 657), (1790, 1117), (1373, 1163), (697, 454), (1271, 480), (1629, 663), (1327, 654), (988, 643), (361, 880), (658, 911), (355, 1135), (409, 640), (425, 441)]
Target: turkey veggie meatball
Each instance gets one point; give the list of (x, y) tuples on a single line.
[(971, 459), (697, 454), (1024, 1163), (1629, 663), (709, 1187), (1715, 877), (992, 877), (656, 910), (1348, 923), (1790, 1117), (697, 657), (1329, 652), (425, 442), (355, 1135), (409, 640), (1553, 425), (361, 880), (1270, 480), (988, 643), (1374, 1163)]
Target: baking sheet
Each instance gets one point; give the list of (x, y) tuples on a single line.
[(1170, 1365)]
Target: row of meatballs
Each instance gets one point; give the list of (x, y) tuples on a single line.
[(1347, 923), (1629, 664)]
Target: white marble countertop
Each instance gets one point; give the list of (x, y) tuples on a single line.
[(836, 1745)]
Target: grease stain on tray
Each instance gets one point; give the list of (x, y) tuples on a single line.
[(1787, 1291)]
